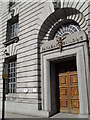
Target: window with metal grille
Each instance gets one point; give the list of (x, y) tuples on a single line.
[(14, 30), (12, 77)]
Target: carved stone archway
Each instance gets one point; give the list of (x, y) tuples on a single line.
[(58, 17)]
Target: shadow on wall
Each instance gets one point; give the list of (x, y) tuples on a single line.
[(57, 18)]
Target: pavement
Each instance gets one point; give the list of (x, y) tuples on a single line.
[(59, 115), (15, 115), (66, 115)]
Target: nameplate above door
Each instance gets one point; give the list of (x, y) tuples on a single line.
[(71, 39)]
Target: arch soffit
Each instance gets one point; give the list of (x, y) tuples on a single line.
[(59, 15)]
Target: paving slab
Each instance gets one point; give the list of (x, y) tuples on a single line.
[(15, 115), (61, 116), (65, 115)]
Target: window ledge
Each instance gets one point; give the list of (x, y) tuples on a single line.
[(11, 41), (11, 97)]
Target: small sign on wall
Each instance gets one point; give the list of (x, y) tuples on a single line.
[(5, 71), (34, 89), (25, 90)]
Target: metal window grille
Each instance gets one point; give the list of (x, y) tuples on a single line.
[(12, 77)]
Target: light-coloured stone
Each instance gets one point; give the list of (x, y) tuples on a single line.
[(33, 68)]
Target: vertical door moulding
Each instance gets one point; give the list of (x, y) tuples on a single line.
[(47, 104), (82, 82)]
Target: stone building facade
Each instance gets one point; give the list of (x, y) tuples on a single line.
[(46, 47)]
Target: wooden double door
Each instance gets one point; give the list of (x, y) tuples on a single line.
[(68, 92)]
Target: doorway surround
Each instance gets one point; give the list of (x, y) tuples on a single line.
[(80, 51)]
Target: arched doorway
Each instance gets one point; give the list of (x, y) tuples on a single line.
[(65, 22)]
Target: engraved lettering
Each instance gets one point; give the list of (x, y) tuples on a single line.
[(51, 46), (77, 39), (61, 41), (81, 37), (73, 40)]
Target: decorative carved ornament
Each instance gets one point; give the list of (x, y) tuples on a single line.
[(60, 40), (66, 36), (63, 32)]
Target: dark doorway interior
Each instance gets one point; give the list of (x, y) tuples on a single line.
[(56, 67)]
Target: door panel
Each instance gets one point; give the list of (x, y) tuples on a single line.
[(63, 89), (68, 92), (74, 106), (74, 93)]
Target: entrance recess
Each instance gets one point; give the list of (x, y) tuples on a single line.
[(72, 60), (68, 92)]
